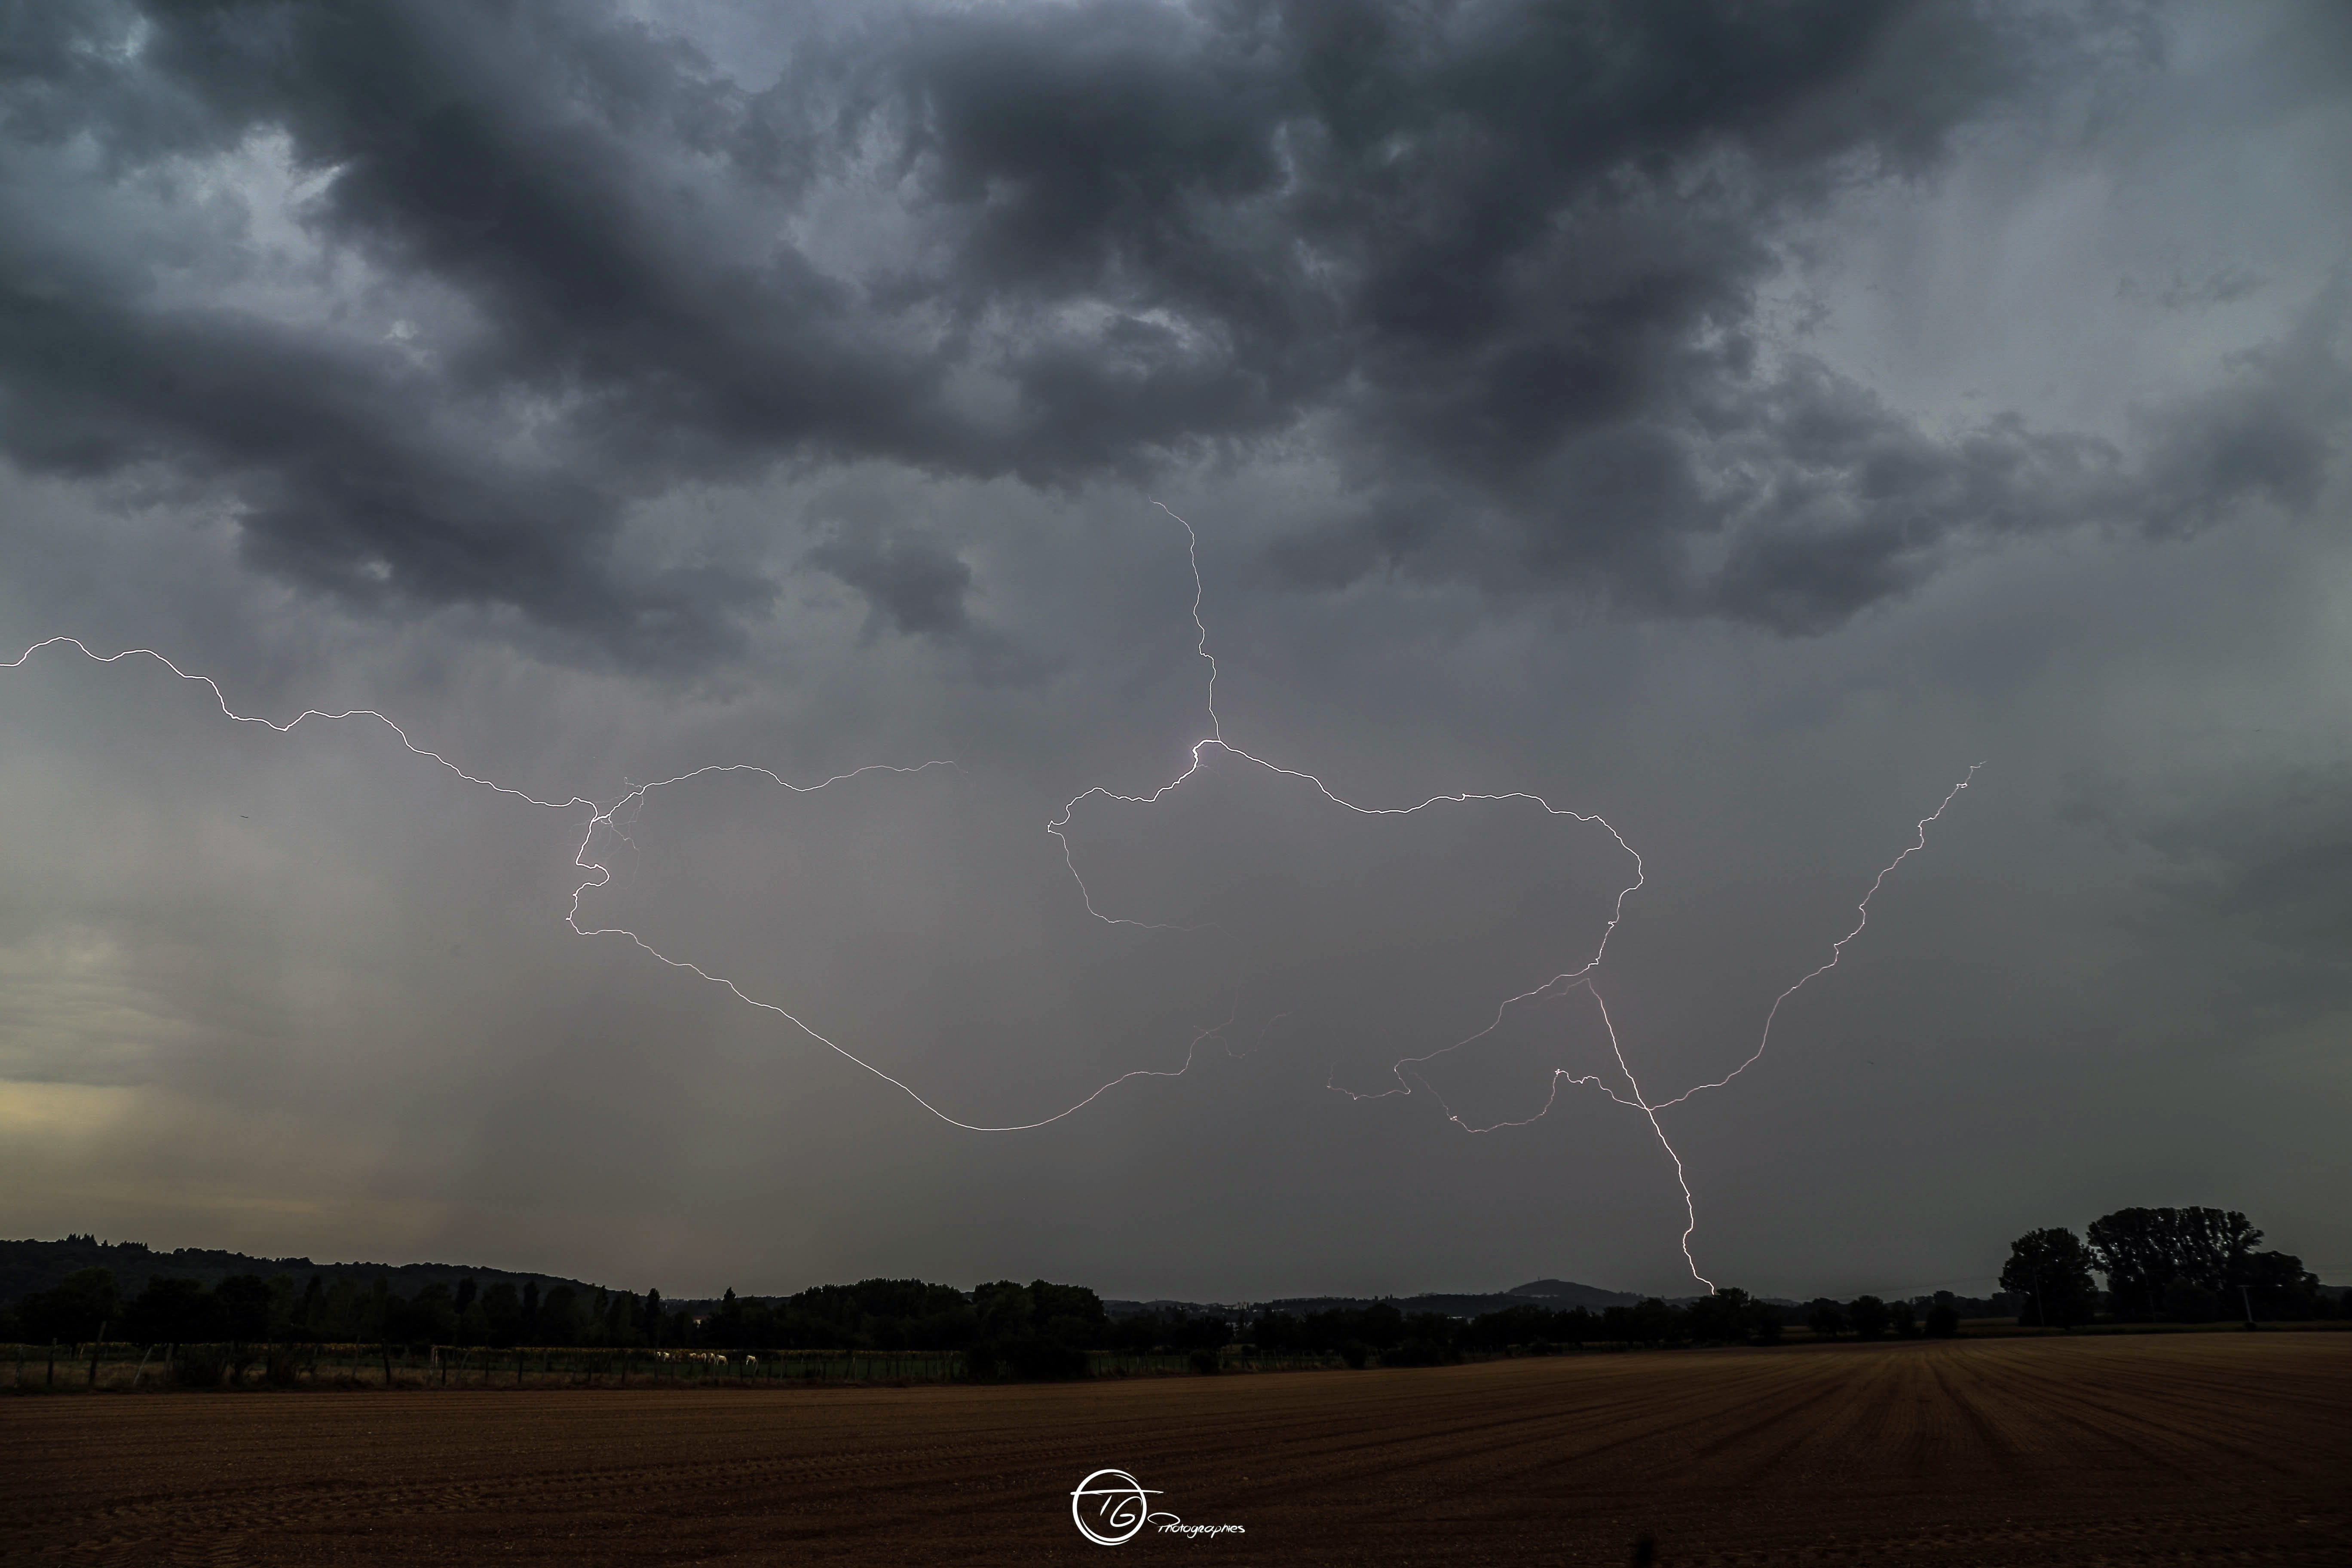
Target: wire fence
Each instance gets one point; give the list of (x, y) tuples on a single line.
[(122, 1366)]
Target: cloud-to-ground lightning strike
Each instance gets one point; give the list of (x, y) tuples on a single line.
[(1580, 976), (1560, 985)]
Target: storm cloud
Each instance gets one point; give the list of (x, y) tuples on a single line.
[(1502, 266)]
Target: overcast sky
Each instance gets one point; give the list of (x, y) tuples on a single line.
[(1733, 422)]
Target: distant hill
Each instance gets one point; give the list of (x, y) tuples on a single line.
[(1117, 1308), (1557, 1295), (1561, 1294), (27, 1266)]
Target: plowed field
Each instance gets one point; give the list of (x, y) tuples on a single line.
[(2185, 1448)]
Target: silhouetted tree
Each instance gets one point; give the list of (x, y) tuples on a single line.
[(425, 1319), (1651, 1322), (2172, 1261), (1727, 1316), (345, 1305), (2051, 1270), (726, 1325), (310, 1316), (2133, 1247), (472, 1326), (173, 1312), (2278, 1286), (501, 1310), (244, 1307), (1868, 1316), (1039, 1330), (622, 1320), (1826, 1318), (559, 1316), (79, 1307)]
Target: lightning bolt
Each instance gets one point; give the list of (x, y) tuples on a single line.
[(596, 874), (1582, 980)]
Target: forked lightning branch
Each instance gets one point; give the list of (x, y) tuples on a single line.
[(1574, 976)]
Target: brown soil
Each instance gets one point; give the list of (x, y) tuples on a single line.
[(2172, 1450)]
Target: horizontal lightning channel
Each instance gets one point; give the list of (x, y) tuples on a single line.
[(1579, 977)]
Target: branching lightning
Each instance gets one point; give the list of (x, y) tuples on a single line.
[(1581, 979), (1580, 976)]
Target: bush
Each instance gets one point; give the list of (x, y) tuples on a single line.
[(200, 1366), (1943, 1322), (1203, 1362), (1355, 1353), (1046, 1360), (1035, 1360), (1413, 1353)]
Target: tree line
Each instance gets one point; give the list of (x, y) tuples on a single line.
[(1003, 1329), (1021, 1327), (2177, 1265), (247, 1307)]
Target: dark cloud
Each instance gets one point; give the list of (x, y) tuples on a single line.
[(1502, 261), (915, 585), (2269, 431)]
